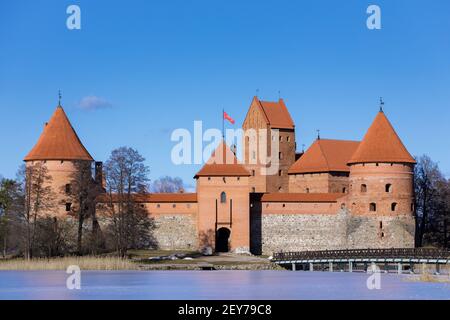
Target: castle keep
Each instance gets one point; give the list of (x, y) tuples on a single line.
[(336, 195)]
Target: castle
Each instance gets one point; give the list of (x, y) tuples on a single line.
[(336, 195)]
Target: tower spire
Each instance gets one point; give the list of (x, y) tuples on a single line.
[(318, 134)]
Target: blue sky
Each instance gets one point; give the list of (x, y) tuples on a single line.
[(139, 69)]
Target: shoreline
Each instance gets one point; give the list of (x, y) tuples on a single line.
[(144, 260)]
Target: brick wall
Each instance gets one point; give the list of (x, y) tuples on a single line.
[(324, 182)]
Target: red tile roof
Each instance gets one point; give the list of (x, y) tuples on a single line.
[(275, 113), (153, 197), (301, 197), (381, 144), (325, 155), (59, 141), (223, 162)]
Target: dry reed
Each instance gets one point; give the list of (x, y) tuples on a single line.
[(85, 263)]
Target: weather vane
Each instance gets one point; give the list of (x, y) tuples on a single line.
[(318, 134), (59, 97), (381, 104)]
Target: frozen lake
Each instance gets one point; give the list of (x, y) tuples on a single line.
[(206, 285)]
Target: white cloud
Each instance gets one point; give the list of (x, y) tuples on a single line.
[(90, 103)]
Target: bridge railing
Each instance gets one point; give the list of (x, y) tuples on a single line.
[(394, 253)]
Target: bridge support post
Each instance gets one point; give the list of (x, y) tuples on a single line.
[(399, 268), (311, 266), (411, 268), (438, 269), (293, 267), (330, 267), (350, 266)]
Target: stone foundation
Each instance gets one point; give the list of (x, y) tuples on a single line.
[(308, 232), (175, 232)]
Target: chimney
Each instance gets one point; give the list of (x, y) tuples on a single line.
[(99, 174)]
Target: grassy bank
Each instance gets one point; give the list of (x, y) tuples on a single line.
[(85, 263)]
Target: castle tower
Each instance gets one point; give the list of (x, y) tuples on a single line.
[(57, 149), (269, 134), (223, 203), (381, 188)]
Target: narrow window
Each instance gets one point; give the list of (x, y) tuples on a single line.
[(253, 172), (388, 187), (284, 205), (280, 155), (223, 197), (381, 224), (281, 138), (307, 190), (412, 206), (158, 205), (68, 188), (280, 173), (174, 205), (209, 178), (288, 139), (344, 190), (393, 206), (373, 207), (68, 206), (363, 188), (280, 189)]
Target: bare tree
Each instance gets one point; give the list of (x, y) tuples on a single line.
[(430, 204), (126, 180), (38, 198), (82, 190), (9, 198), (167, 185)]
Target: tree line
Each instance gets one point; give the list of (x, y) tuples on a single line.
[(29, 227)]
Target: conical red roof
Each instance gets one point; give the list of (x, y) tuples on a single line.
[(222, 162), (381, 144), (59, 141)]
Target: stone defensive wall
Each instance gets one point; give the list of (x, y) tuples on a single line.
[(174, 216), (305, 222)]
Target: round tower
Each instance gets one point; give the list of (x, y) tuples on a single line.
[(381, 193), (55, 157)]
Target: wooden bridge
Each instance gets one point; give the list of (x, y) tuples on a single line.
[(364, 259)]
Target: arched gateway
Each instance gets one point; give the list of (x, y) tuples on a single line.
[(222, 240)]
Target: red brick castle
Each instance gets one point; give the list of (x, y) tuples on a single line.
[(336, 195)]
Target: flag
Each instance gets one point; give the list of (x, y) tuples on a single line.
[(227, 117)]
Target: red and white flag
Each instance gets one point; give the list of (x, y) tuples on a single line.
[(227, 117)]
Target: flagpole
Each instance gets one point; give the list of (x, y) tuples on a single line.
[(223, 124)]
